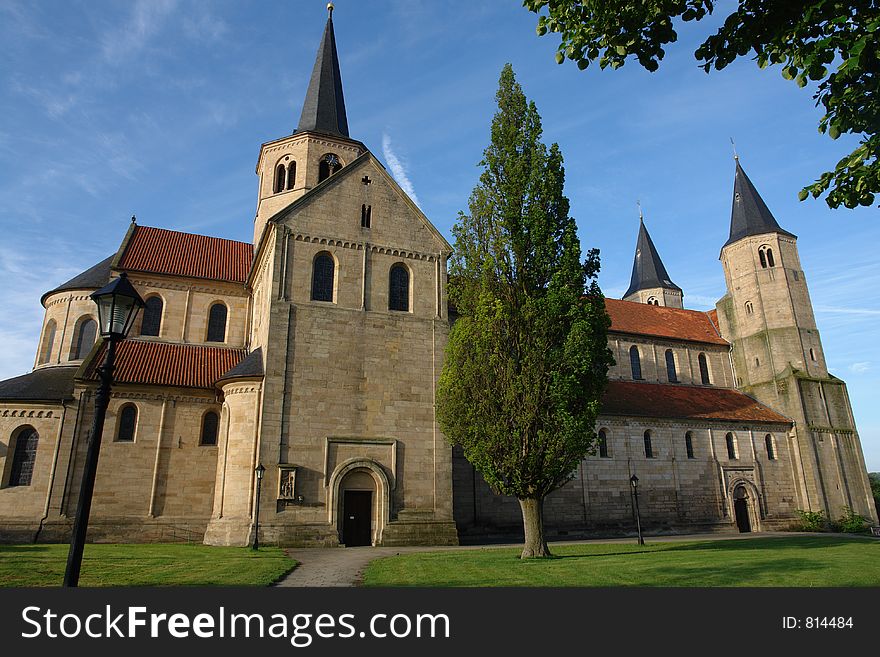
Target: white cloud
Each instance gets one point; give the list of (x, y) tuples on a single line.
[(204, 27), (860, 368), (398, 170), (147, 17)]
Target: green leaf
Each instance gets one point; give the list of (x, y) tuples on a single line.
[(560, 58), (803, 194), (833, 131)]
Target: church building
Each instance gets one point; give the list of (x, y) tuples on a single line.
[(315, 350)]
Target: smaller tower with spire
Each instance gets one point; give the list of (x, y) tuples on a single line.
[(778, 359), (650, 283)]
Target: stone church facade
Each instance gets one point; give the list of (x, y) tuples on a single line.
[(315, 351)]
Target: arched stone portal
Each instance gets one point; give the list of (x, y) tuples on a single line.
[(359, 502), (741, 509)]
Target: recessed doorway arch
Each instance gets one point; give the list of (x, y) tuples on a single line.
[(743, 501), (359, 501)]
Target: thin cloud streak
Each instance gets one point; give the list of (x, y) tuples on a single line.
[(398, 171), (847, 311), (146, 18)]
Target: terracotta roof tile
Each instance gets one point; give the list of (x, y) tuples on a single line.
[(660, 321), (165, 364), (713, 317), (161, 251), (661, 400)]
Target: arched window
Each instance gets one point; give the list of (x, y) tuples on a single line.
[(85, 339), (689, 444), (328, 165), (280, 172), (128, 416), (603, 443), (765, 255), (152, 322), (731, 446), (398, 289), (704, 370), (749, 308), (48, 341), (210, 423), (671, 374), (812, 355), (635, 363), (322, 277), (652, 301), (649, 448), (771, 452), (291, 175), (763, 258), (366, 212), (217, 323), (24, 456)]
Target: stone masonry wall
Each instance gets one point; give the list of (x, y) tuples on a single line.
[(675, 492)]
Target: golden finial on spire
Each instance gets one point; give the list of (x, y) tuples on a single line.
[(733, 143), (330, 8)]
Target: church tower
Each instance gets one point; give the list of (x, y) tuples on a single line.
[(348, 326), (650, 283), (777, 354), (290, 166)]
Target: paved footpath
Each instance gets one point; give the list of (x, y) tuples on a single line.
[(345, 566)]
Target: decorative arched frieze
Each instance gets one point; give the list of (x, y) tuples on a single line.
[(359, 246), (233, 290)]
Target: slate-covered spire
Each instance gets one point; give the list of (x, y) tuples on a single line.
[(648, 270), (750, 215), (324, 107)]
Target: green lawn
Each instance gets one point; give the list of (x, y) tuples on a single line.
[(144, 565), (795, 561)]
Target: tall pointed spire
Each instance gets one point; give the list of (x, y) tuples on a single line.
[(324, 107), (648, 270), (750, 215)]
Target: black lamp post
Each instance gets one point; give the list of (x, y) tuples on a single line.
[(634, 483), (118, 304), (260, 470)]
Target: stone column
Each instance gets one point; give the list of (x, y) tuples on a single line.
[(231, 520)]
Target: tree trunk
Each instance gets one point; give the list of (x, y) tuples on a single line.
[(533, 524)]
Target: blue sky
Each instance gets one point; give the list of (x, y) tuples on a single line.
[(158, 108)]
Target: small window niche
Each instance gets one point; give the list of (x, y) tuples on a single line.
[(287, 484), (366, 215)]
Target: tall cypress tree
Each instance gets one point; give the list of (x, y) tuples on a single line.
[(527, 358)]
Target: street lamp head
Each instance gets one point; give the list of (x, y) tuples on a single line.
[(260, 470), (634, 481), (118, 304)]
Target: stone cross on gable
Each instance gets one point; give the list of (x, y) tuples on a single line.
[(366, 180)]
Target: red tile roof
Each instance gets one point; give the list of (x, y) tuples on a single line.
[(713, 316), (161, 251), (164, 364), (662, 322), (662, 400)]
